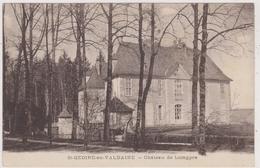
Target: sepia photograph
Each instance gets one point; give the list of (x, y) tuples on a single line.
[(128, 84)]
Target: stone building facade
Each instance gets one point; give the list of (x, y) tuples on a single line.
[(170, 96)]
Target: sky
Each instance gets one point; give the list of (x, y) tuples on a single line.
[(236, 61)]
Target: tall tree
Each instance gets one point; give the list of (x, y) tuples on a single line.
[(117, 22), (34, 41), (223, 19), (75, 14), (50, 58), (4, 56), (202, 124), (195, 73), (82, 18), (49, 76), (54, 36), (150, 71), (109, 16), (141, 77), (154, 49), (25, 16), (16, 79), (24, 26), (85, 99), (204, 47)]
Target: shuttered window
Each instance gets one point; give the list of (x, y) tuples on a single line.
[(160, 112), (128, 87), (178, 91), (178, 111)]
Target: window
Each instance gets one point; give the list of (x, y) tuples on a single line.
[(159, 87), (222, 90), (128, 87), (177, 111), (178, 90), (160, 112)]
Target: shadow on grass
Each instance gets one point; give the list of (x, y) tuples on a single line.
[(17, 146)]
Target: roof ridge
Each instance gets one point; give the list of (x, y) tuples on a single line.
[(128, 61)]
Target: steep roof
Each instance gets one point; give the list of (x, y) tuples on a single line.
[(88, 73), (118, 106), (96, 81), (103, 69), (166, 61), (65, 113)]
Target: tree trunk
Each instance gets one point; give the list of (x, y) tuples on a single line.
[(195, 75), (31, 37), (79, 68), (4, 56), (141, 77), (31, 55), (85, 104), (109, 77), (4, 65), (202, 123), (27, 131), (16, 87), (53, 64), (49, 87), (150, 74), (86, 133)]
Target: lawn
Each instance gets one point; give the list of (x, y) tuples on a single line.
[(211, 130), (234, 137), (18, 146)]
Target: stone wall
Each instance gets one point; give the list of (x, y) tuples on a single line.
[(217, 106)]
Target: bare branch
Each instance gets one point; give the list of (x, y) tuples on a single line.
[(16, 16), (240, 27), (104, 11), (164, 31), (187, 19), (239, 13)]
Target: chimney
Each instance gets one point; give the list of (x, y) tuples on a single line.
[(178, 43)]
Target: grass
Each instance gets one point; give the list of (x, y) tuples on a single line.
[(219, 137), (18, 146), (231, 130), (212, 130)]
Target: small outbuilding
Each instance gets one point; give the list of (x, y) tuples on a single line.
[(64, 124), (120, 113)]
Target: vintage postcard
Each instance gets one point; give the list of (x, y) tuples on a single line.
[(128, 84)]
